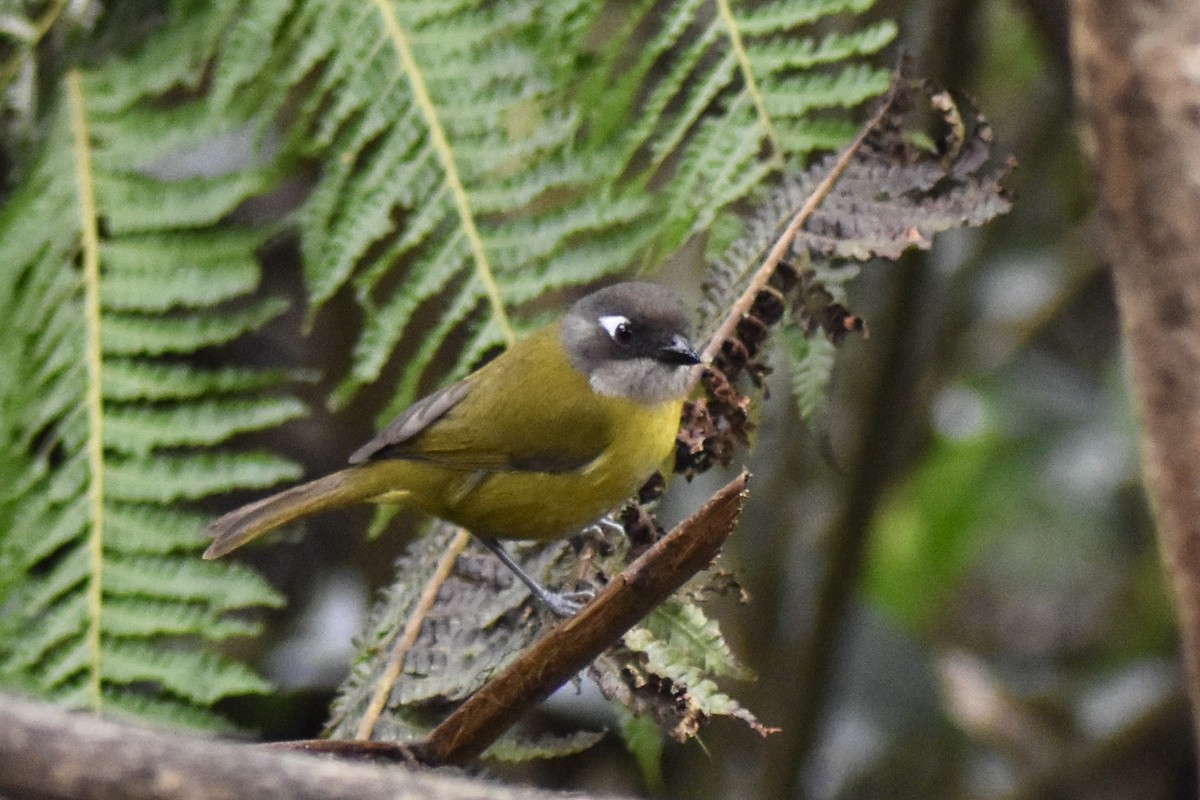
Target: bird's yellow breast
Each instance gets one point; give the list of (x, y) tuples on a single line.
[(543, 505)]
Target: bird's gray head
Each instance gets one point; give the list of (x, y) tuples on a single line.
[(631, 340)]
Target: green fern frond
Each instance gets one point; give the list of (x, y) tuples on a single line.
[(140, 618), (644, 740), (786, 15), (139, 429), (220, 267), (777, 54), (152, 335), (190, 581), (126, 379), (685, 650), (468, 158), (666, 671), (139, 529), (141, 203), (515, 748), (407, 106), (192, 675), (461, 174), (105, 426), (734, 94), (810, 359), (169, 476), (693, 638), (174, 57)]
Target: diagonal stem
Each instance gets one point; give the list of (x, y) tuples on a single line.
[(556, 657), (93, 399), (780, 249), (743, 58), (441, 145), (412, 629)]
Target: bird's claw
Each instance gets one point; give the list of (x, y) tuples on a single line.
[(567, 604), (605, 525)]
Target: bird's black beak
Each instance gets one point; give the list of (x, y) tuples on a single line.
[(678, 352)]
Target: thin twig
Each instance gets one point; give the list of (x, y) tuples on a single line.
[(1156, 741), (561, 654), (888, 417), (780, 249), (38, 31), (412, 629), (89, 227)]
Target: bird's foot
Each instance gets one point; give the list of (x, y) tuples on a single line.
[(606, 524), (565, 604)]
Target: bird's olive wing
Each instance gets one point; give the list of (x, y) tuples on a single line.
[(525, 437), (528, 410), (391, 441)]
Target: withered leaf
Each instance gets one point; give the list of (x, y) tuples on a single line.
[(667, 668), (481, 619), (895, 195)]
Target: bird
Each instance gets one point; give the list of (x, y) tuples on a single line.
[(537, 444)]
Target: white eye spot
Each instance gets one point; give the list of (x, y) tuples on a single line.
[(618, 327)]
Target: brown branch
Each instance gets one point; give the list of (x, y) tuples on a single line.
[(810, 660), (1156, 742), (568, 648), (1137, 87), (361, 749), (49, 753)]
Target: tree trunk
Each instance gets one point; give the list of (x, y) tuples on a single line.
[(1137, 77)]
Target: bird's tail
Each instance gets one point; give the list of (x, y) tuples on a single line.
[(347, 487)]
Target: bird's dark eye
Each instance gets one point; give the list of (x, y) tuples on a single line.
[(619, 328)]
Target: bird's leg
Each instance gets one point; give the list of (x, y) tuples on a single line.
[(563, 605)]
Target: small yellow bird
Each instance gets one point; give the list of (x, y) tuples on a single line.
[(541, 441)]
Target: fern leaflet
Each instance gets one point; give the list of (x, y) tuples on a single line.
[(103, 421)]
